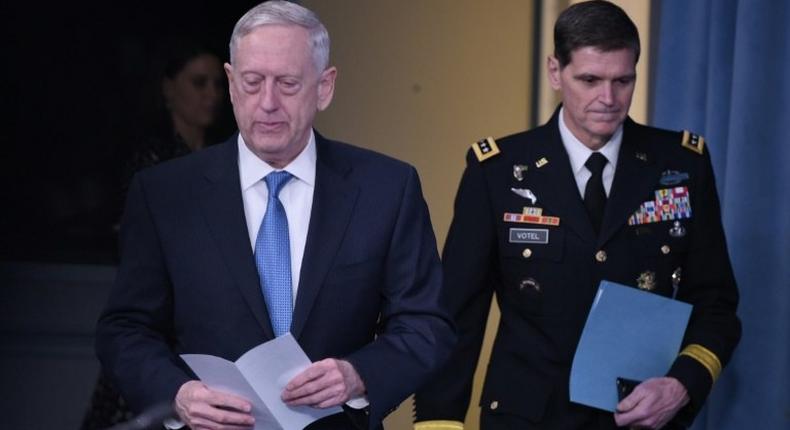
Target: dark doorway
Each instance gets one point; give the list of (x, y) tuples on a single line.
[(74, 72)]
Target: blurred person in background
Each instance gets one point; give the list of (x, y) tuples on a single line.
[(181, 113), (184, 106)]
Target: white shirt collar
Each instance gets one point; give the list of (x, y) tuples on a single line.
[(252, 169), (578, 153)]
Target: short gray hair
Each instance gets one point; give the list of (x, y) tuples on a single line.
[(284, 13)]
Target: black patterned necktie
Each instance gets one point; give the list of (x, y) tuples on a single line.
[(594, 193)]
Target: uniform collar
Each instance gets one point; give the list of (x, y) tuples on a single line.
[(578, 153)]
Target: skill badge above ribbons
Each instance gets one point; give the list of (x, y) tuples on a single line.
[(673, 177), (669, 204)]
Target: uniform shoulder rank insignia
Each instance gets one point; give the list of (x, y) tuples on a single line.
[(485, 148), (693, 142)]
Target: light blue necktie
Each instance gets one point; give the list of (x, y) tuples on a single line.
[(273, 256)]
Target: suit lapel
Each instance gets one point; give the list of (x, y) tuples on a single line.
[(333, 203), (223, 207), (636, 175), (553, 183)]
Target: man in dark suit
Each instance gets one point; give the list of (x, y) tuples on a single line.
[(277, 230), (541, 217)]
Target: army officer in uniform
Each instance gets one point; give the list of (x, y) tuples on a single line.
[(541, 217)]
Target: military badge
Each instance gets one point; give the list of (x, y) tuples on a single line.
[(673, 177), (677, 230), (542, 162), (518, 171), (529, 283), (526, 193), (646, 281), (529, 210)]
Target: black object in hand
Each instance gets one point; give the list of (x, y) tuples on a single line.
[(624, 387)]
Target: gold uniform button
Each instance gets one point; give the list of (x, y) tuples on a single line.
[(526, 253), (600, 256), (494, 405), (665, 249)]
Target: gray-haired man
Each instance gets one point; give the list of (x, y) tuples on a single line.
[(278, 230)]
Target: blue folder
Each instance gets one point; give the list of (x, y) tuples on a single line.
[(629, 333)]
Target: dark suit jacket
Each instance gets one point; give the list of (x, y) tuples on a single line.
[(545, 297), (187, 282)]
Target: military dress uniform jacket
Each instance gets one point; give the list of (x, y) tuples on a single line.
[(545, 288)]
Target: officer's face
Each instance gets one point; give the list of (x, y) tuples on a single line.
[(276, 91), (596, 89)]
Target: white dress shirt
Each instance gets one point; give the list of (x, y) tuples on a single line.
[(578, 154), (296, 197)]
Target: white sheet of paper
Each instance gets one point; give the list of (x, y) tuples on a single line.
[(260, 375), (222, 375)]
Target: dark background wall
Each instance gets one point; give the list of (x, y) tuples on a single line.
[(71, 84), (47, 365), (75, 72)]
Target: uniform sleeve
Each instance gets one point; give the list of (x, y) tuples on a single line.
[(469, 266), (709, 285)]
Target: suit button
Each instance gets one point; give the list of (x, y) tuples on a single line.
[(494, 405), (600, 256), (665, 249), (526, 253)]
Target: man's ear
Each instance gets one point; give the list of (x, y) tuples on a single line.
[(326, 87), (553, 68), (229, 73)]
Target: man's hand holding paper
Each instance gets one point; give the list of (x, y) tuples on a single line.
[(325, 383), (262, 375), (200, 407), (652, 403)]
